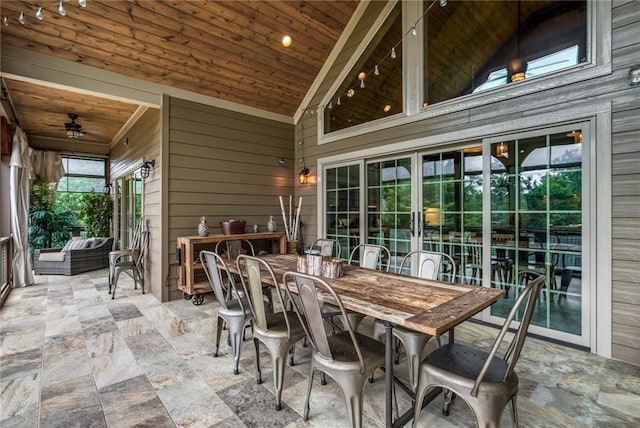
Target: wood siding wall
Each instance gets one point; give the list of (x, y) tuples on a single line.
[(144, 142), (625, 133), (607, 89), (223, 165)]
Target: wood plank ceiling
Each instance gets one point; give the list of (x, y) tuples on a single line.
[(230, 50)]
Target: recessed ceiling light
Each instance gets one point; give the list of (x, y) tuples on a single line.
[(387, 108), (286, 41)]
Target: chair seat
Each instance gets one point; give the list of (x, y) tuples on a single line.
[(373, 351), (278, 326), (235, 309), (459, 364)]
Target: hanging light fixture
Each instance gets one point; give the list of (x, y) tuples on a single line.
[(303, 175), (517, 68), (145, 168), (61, 10), (21, 19), (73, 128), (393, 53), (82, 3), (40, 14), (502, 150)]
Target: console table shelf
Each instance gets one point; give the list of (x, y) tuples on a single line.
[(188, 263)]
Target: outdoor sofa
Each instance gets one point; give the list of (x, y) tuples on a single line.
[(78, 255)]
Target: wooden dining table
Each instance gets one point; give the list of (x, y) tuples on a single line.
[(428, 306)]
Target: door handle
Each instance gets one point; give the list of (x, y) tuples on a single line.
[(420, 223), (413, 217)]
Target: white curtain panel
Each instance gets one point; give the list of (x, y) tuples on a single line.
[(20, 183), (47, 165)]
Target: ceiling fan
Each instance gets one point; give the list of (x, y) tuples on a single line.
[(73, 128)]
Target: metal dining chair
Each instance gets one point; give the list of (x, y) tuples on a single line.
[(126, 252), (132, 263), (348, 357), (232, 248), (485, 381), (327, 247), (277, 331), (368, 256), (235, 312), (427, 265)]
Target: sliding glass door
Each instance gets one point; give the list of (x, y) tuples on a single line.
[(506, 209), (128, 207)]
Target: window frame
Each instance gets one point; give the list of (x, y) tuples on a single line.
[(598, 64)]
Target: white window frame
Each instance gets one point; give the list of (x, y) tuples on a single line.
[(599, 64)]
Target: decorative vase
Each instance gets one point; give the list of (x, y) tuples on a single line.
[(203, 227), (271, 224)]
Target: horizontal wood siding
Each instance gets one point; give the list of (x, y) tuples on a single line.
[(224, 165), (625, 122), (144, 142), (511, 105)]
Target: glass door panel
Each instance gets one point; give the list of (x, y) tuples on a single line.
[(389, 212), (452, 209), (536, 225), (343, 206)]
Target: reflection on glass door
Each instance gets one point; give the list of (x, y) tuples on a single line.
[(128, 201), (389, 221), (452, 209), (342, 206), (536, 224)]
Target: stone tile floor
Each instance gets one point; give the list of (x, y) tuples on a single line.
[(72, 357)]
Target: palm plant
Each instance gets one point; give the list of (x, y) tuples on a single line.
[(48, 227)]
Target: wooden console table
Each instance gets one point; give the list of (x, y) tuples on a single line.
[(188, 262)]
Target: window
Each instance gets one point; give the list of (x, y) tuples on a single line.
[(83, 175), (472, 46), (352, 104)]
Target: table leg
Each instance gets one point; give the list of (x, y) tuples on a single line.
[(388, 380)]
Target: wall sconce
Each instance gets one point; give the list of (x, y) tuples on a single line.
[(146, 168), (303, 175), (634, 76), (107, 188)]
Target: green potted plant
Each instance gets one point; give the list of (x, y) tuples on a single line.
[(96, 212)]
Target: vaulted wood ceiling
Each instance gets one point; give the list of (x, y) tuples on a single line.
[(230, 50)]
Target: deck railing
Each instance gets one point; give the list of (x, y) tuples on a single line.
[(5, 267)]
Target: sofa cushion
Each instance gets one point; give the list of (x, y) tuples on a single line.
[(95, 242), (57, 256), (77, 243)]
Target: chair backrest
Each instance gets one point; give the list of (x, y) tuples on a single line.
[(252, 272), (214, 265), (139, 254), (530, 296), (428, 264), (308, 307), (230, 249), (328, 247), (371, 256)]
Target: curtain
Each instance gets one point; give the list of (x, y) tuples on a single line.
[(20, 183), (47, 165)]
